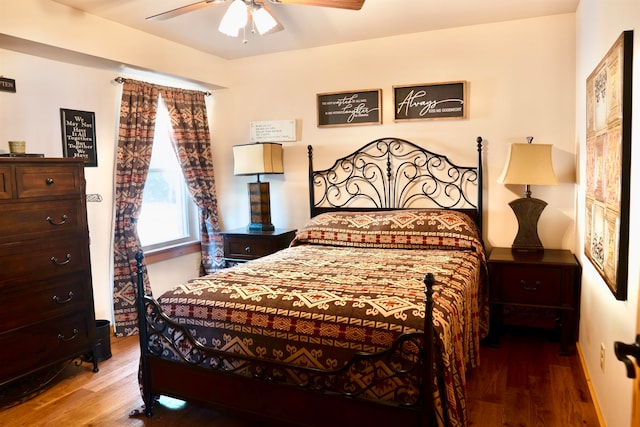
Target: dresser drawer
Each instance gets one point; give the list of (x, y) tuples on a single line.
[(47, 181), (48, 342), (532, 285), (25, 220), (45, 259), (25, 301), (6, 183)]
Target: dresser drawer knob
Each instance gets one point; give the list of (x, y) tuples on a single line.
[(49, 181), (71, 338), (529, 288), (66, 261), (52, 222), (247, 250), (63, 301)]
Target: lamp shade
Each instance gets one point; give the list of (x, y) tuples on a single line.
[(529, 164), (253, 159), (234, 18), (263, 20)]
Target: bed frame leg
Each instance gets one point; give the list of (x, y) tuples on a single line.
[(145, 379), (427, 356)]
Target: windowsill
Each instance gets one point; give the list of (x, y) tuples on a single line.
[(164, 254)]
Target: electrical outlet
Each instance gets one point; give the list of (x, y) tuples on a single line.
[(602, 356)]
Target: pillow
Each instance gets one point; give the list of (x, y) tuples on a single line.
[(410, 228)]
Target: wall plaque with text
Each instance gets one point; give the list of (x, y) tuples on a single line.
[(79, 135), (350, 108), (430, 101)]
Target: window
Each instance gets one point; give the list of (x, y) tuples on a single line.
[(168, 217)]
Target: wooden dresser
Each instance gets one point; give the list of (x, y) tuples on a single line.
[(46, 296)]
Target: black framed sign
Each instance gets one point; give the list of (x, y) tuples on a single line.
[(79, 135), (430, 101), (350, 108)]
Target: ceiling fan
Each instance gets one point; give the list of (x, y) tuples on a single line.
[(259, 11)]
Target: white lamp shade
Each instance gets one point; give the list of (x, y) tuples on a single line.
[(263, 20), (253, 159), (529, 164), (234, 18)]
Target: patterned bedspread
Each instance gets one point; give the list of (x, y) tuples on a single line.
[(347, 286)]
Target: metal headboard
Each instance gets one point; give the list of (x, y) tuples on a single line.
[(392, 173)]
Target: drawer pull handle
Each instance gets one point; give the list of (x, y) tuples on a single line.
[(247, 250), (63, 301), (529, 288), (52, 222), (66, 261), (71, 338), (49, 181)]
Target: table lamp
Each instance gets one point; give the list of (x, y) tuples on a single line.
[(257, 159), (528, 164)]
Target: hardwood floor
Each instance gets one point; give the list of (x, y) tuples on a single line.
[(523, 383), (526, 382)]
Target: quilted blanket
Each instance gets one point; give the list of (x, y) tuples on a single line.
[(345, 286)]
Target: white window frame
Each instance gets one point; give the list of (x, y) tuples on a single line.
[(191, 216)]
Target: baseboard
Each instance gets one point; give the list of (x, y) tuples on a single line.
[(590, 385)]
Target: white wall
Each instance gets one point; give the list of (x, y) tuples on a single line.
[(521, 82), (604, 320)]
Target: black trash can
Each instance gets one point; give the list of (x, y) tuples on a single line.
[(103, 340)]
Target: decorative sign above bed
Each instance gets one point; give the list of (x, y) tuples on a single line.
[(350, 108), (430, 101), (79, 135)]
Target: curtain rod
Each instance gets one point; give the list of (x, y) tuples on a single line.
[(120, 80)]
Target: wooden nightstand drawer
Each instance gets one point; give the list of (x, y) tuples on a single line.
[(246, 247), (240, 245), (531, 285)]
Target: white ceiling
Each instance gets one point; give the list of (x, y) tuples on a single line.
[(309, 26)]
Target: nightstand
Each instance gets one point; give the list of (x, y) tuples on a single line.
[(549, 281), (241, 245)]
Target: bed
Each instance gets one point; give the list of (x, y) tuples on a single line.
[(372, 316)]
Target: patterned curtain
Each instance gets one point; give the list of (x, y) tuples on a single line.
[(135, 141), (191, 141)]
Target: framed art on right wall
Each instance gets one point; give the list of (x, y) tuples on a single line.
[(608, 165)]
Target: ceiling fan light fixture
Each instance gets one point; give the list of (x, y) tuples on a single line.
[(234, 18), (262, 19)]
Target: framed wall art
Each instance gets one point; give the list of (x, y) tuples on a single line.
[(79, 135), (361, 107), (608, 165), (430, 101)]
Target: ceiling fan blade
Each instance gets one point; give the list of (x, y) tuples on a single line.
[(339, 4), (182, 10), (279, 26)]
